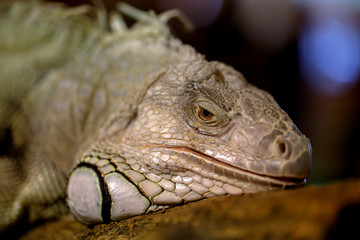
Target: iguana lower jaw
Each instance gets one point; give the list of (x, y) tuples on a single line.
[(113, 183)]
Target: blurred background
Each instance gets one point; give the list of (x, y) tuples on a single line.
[(305, 53)]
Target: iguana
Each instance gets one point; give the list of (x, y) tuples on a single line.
[(112, 124)]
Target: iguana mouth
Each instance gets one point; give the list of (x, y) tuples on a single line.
[(211, 165)]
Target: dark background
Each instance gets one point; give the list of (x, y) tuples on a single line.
[(265, 41)]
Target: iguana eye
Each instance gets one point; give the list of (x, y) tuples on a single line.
[(205, 117), (205, 114)]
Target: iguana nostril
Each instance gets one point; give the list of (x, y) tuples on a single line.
[(282, 147)]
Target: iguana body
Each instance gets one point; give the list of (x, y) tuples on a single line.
[(134, 121)]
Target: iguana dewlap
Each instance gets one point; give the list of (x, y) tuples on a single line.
[(122, 123)]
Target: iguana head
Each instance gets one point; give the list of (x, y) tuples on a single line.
[(222, 125), (200, 130)]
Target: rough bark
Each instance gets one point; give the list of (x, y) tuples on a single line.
[(315, 212)]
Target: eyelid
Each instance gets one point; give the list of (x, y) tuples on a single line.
[(208, 106)]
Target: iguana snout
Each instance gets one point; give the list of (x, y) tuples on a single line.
[(270, 146)]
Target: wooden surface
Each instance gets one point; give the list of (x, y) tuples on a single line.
[(314, 212)]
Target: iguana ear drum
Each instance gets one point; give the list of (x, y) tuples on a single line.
[(94, 198)]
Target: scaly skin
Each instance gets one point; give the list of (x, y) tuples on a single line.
[(139, 122)]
